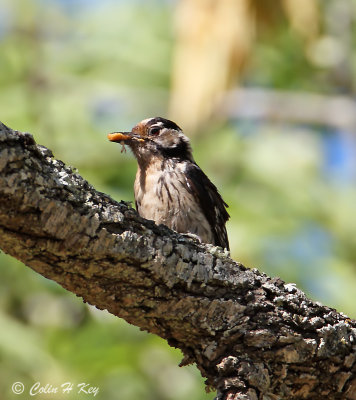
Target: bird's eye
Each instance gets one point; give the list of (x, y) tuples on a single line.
[(154, 131)]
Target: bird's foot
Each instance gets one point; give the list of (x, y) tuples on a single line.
[(192, 236)]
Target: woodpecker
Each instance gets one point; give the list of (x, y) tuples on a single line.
[(170, 188)]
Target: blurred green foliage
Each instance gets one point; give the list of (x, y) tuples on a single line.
[(72, 71)]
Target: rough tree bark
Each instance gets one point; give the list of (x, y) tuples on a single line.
[(251, 336)]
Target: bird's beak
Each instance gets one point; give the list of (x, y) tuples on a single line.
[(123, 137)]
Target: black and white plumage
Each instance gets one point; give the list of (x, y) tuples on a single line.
[(170, 188)]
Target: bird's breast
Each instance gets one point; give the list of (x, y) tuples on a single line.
[(162, 194)]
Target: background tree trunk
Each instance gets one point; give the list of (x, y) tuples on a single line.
[(251, 336)]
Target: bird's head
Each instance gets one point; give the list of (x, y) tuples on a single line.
[(155, 137)]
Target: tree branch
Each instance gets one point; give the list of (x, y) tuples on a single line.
[(251, 336), (335, 112)]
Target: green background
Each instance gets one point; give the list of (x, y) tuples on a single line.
[(72, 71)]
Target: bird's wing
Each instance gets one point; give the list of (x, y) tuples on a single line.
[(210, 201)]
